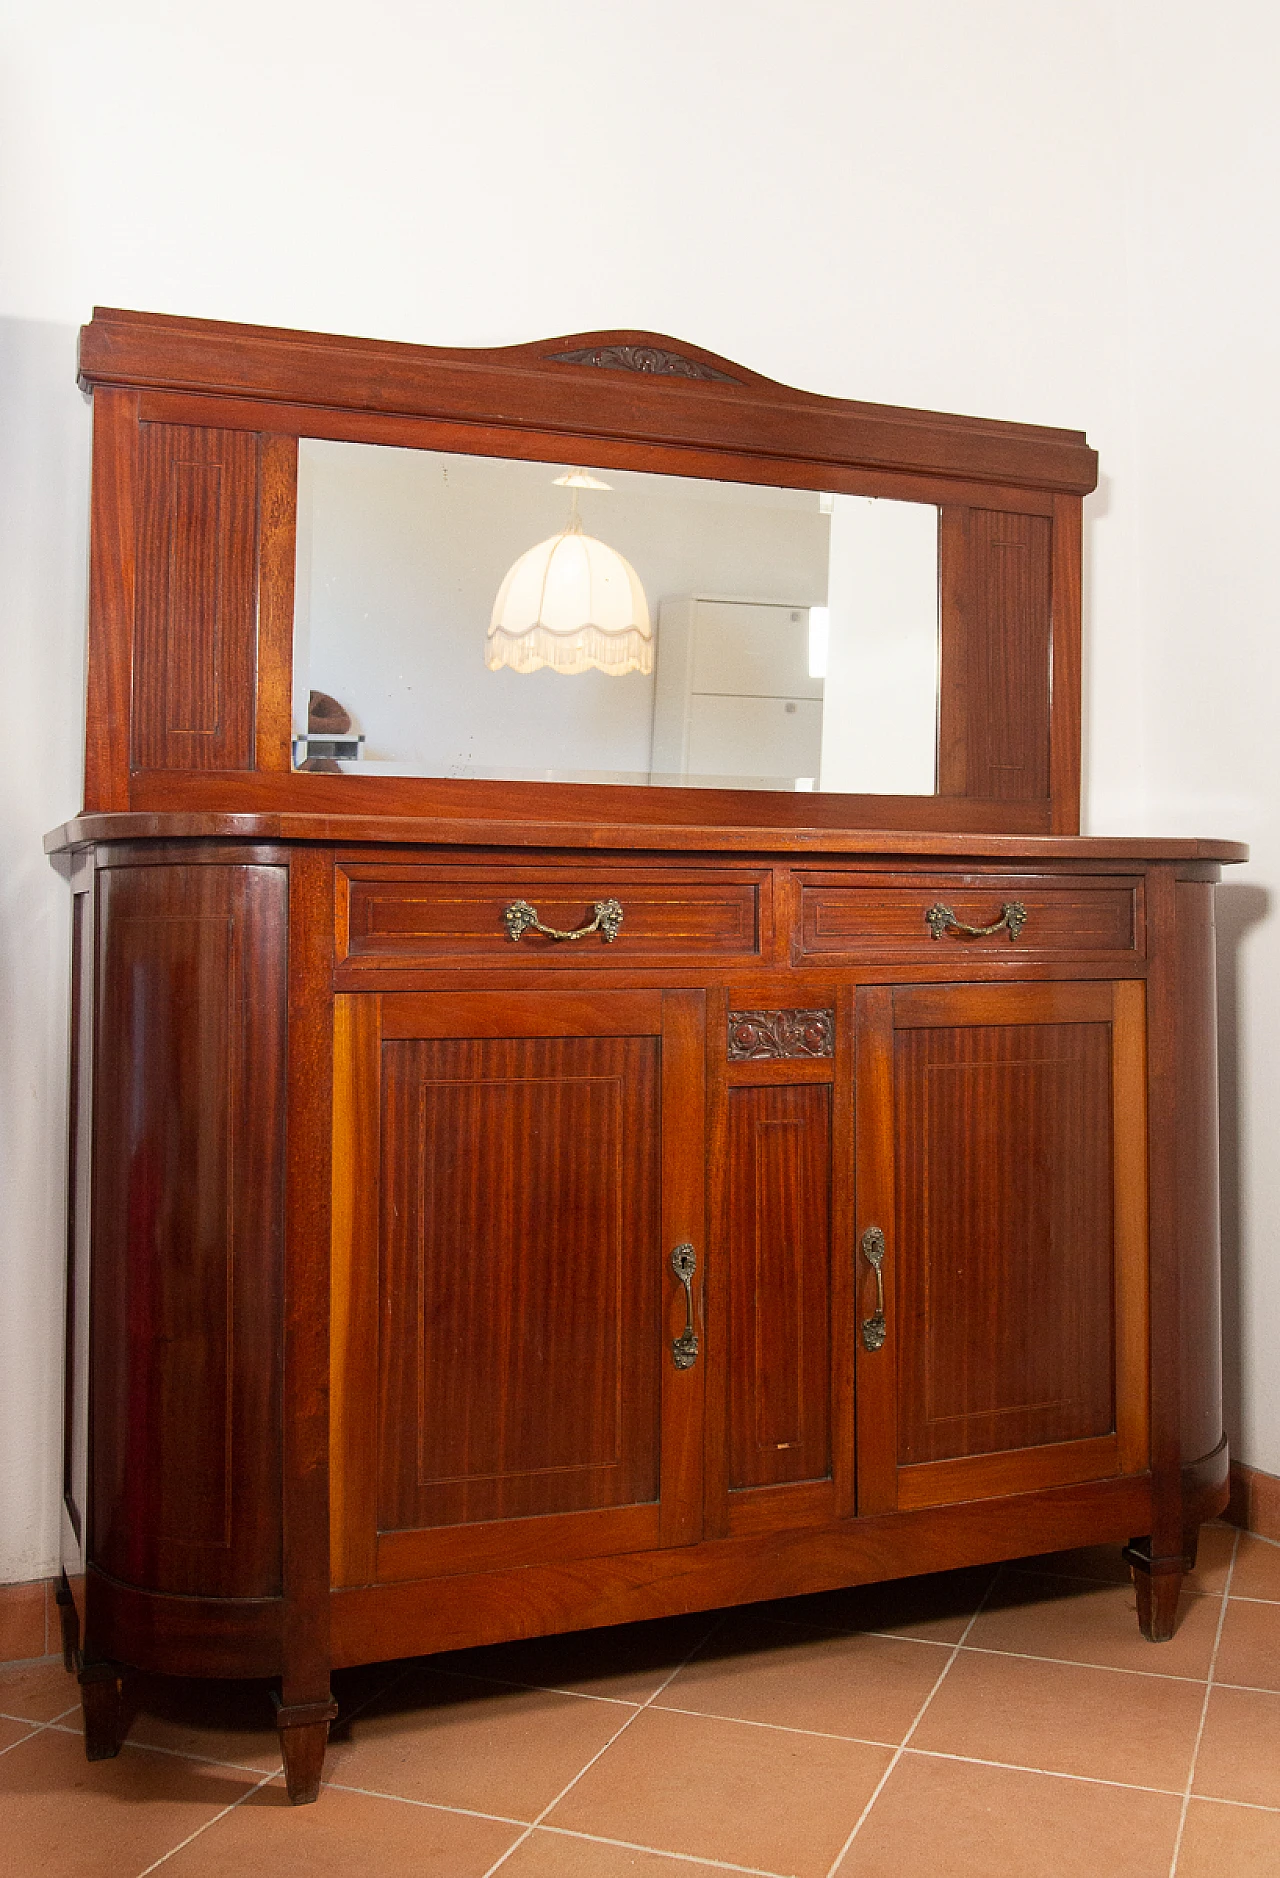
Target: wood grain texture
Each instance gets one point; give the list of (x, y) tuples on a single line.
[(195, 626), (779, 1177), (519, 1272), (843, 918), (537, 389), (304, 1356), (112, 578), (277, 554), (449, 914), (187, 1210), (1004, 1175), (236, 818), (1066, 676), (995, 585)]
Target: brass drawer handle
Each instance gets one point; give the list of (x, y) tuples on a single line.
[(1013, 915), (874, 1328), (684, 1348), (520, 918)]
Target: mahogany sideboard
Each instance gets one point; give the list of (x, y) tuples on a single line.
[(841, 1204)]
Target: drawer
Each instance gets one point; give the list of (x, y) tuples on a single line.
[(880, 916), (392, 916)]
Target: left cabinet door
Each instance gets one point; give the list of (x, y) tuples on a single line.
[(512, 1172)]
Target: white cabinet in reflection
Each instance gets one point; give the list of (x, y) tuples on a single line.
[(735, 699)]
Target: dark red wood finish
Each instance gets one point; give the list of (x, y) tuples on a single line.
[(191, 607)]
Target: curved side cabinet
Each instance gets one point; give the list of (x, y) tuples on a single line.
[(187, 1237)]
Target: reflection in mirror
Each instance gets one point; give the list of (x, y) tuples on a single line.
[(483, 617)]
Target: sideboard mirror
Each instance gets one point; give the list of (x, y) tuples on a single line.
[(798, 610)]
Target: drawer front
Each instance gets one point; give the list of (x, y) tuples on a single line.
[(890, 915), (392, 917)]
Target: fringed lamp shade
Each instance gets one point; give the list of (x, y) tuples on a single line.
[(572, 604)]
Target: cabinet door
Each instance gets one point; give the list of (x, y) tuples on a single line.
[(1001, 1159), (512, 1172)]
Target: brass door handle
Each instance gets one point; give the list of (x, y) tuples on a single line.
[(520, 918), (874, 1328), (1013, 915), (684, 1348)]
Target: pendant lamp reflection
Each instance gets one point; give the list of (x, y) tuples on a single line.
[(571, 604)]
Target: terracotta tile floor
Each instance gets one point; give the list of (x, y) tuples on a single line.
[(978, 1724)]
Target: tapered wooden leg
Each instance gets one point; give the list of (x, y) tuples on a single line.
[(304, 1735), (1158, 1583), (103, 1709), (69, 1622)]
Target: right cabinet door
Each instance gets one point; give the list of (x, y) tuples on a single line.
[(1000, 1243)]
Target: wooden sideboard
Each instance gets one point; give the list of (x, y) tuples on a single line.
[(501, 1209)]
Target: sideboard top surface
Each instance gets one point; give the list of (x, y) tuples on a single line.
[(350, 830)]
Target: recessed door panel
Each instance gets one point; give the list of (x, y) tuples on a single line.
[(511, 1175), (1001, 1190), (519, 1272)]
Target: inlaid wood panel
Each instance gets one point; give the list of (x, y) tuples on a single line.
[(996, 599), (1006, 1320), (520, 1333), (187, 1225), (389, 921), (886, 916), (195, 624), (778, 1248)]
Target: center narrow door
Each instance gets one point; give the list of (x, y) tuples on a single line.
[(512, 1174)]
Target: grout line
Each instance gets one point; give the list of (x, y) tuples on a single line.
[(685, 1858), (1240, 1598), (527, 1833), (1049, 1773), (781, 1728), (431, 1806), (902, 1747), (544, 1688), (221, 1814), (1204, 1713), (1075, 1662), (1246, 1688)]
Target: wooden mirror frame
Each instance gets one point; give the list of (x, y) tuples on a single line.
[(195, 451)]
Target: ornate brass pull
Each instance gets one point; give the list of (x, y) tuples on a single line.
[(520, 918), (873, 1328), (1012, 914), (684, 1348)]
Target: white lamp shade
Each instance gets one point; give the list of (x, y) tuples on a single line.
[(572, 604)]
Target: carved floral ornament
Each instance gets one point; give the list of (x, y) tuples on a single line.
[(652, 360), (755, 1036)]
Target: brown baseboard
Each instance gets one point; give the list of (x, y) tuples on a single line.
[(28, 1620), (1255, 1501)]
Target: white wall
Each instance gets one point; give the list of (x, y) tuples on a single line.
[(1058, 212)]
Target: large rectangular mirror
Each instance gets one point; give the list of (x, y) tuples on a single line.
[(483, 617)]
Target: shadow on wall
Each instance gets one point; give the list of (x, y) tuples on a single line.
[(1236, 909), (44, 485)]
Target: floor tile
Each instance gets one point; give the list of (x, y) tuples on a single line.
[(720, 1790), (627, 1662), (948, 1819), (342, 1835), (1250, 1648), (1079, 1622), (65, 1817), (39, 1692), (1240, 1749), (460, 1742), (217, 1721), (1257, 1572), (1229, 1842), (1101, 1723), (936, 1608), (1105, 1563), (838, 1682), (1213, 1559), (555, 1855), (11, 1731), (21, 1622)]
